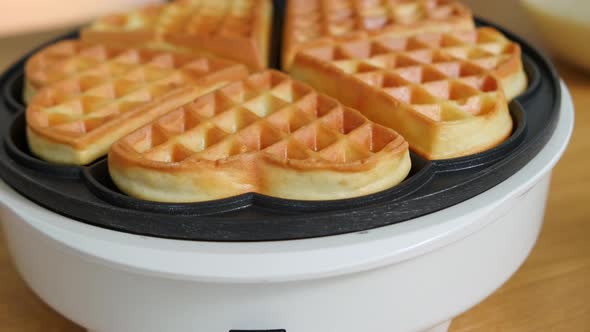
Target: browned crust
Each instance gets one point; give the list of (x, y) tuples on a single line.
[(131, 120), (148, 110), (258, 171), (514, 63), (114, 38), (125, 156), (463, 21), (35, 65), (76, 141), (510, 68), (252, 51), (39, 63), (251, 175), (478, 149), (355, 93)]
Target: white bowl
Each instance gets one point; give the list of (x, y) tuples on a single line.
[(408, 277), (564, 26)]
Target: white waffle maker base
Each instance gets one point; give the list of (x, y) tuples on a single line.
[(412, 276)]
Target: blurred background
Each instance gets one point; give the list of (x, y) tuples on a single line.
[(560, 27), (25, 24)]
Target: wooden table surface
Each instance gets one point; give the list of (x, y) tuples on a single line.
[(550, 292)]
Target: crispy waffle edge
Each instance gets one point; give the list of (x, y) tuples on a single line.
[(199, 179)]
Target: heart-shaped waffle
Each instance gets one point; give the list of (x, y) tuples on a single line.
[(267, 134), (238, 30), (91, 95), (314, 22), (442, 92)]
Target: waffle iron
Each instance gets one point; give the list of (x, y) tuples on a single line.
[(87, 193)]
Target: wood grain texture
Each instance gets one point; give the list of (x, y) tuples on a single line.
[(550, 292)]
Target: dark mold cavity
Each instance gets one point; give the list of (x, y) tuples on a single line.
[(533, 76), (13, 92), (277, 34)]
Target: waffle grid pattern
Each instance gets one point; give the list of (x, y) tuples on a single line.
[(321, 18), (444, 77), (103, 83), (199, 17), (268, 113), (66, 58)]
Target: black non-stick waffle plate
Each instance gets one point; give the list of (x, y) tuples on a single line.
[(87, 193)]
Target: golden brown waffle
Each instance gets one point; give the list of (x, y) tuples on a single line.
[(69, 58), (267, 134), (440, 91), (95, 94), (237, 30), (314, 22)]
